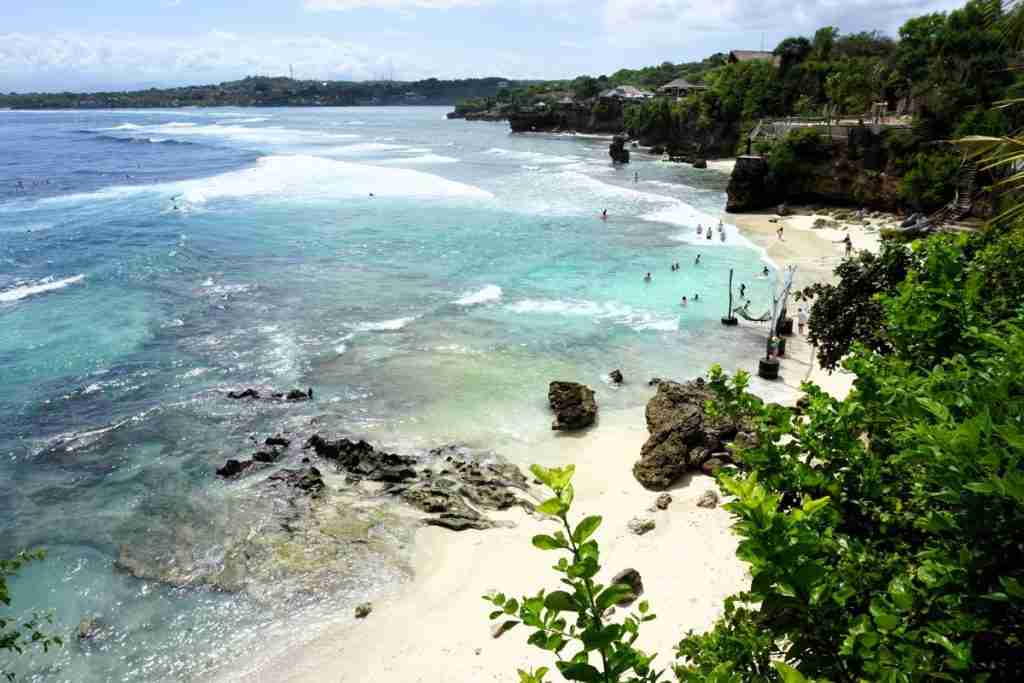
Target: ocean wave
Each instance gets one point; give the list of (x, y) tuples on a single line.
[(44, 285), (126, 126), (610, 311), (307, 177), (533, 157), (425, 159), (362, 149), (486, 295), (384, 325)]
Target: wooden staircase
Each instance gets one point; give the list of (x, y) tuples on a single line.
[(963, 201)]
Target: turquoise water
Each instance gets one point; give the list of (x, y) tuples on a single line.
[(427, 277)]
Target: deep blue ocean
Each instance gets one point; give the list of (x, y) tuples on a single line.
[(427, 278)]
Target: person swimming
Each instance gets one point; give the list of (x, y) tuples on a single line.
[(765, 272), (743, 290), (647, 278), (696, 297), (682, 302)]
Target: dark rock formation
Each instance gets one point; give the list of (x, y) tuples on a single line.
[(581, 117), (245, 393), (682, 436), (617, 150), (291, 395), (700, 163), (362, 611), (631, 578), (663, 501), (708, 499), (233, 468), (573, 404), (748, 185), (447, 482), (616, 376), (307, 479), (277, 440)]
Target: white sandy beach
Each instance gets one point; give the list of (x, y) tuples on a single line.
[(436, 629)]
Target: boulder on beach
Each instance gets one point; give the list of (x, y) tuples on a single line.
[(573, 404), (682, 436), (641, 525), (616, 376)]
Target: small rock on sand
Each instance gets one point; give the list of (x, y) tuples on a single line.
[(708, 499), (641, 525), (363, 610), (663, 501)]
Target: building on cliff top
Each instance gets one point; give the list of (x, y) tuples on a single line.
[(680, 87), (626, 92), (753, 56)]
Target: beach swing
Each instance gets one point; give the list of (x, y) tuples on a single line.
[(742, 312)]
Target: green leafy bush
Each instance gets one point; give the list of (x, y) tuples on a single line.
[(577, 617), (885, 532), (930, 180)]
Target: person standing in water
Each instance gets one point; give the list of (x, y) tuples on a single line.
[(696, 261), (636, 176), (765, 272), (604, 214), (647, 278), (743, 290), (682, 302)]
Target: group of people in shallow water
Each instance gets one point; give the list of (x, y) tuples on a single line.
[(675, 267), (721, 231)]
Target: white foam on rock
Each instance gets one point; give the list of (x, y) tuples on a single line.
[(486, 295), (45, 285)]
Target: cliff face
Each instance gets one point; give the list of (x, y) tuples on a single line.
[(853, 172), (604, 117), (692, 138)]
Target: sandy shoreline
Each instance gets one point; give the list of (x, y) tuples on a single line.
[(436, 629)]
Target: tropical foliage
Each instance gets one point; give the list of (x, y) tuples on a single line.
[(21, 634)]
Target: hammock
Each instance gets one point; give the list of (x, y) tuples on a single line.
[(745, 314)]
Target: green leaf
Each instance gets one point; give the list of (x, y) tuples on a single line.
[(788, 673), (512, 606), (811, 506), (566, 495), (551, 506), (612, 595), (586, 528), (545, 542), (560, 601), (542, 473), (579, 671)]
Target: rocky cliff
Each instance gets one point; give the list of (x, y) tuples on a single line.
[(605, 116), (855, 171)]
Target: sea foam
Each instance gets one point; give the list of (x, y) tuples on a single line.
[(486, 295), (45, 285)]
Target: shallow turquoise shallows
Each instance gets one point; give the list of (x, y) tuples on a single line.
[(427, 278)]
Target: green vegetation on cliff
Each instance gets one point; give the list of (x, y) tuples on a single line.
[(260, 91)]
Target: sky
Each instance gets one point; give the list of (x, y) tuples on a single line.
[(51, 45)]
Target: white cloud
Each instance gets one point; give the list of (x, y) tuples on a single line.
[(640, 21), (344, 5), (69, 59)]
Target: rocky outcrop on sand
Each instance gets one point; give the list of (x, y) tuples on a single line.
[(450, 483), (683, 437), (573, 404)]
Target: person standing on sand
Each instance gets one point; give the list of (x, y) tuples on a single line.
[(801, 320), (849, 244), (779, 233)]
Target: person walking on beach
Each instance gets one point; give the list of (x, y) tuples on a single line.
[(849, 244), (801, 320), (779, 233)]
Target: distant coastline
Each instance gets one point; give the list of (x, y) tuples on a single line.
[(259, 91)]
